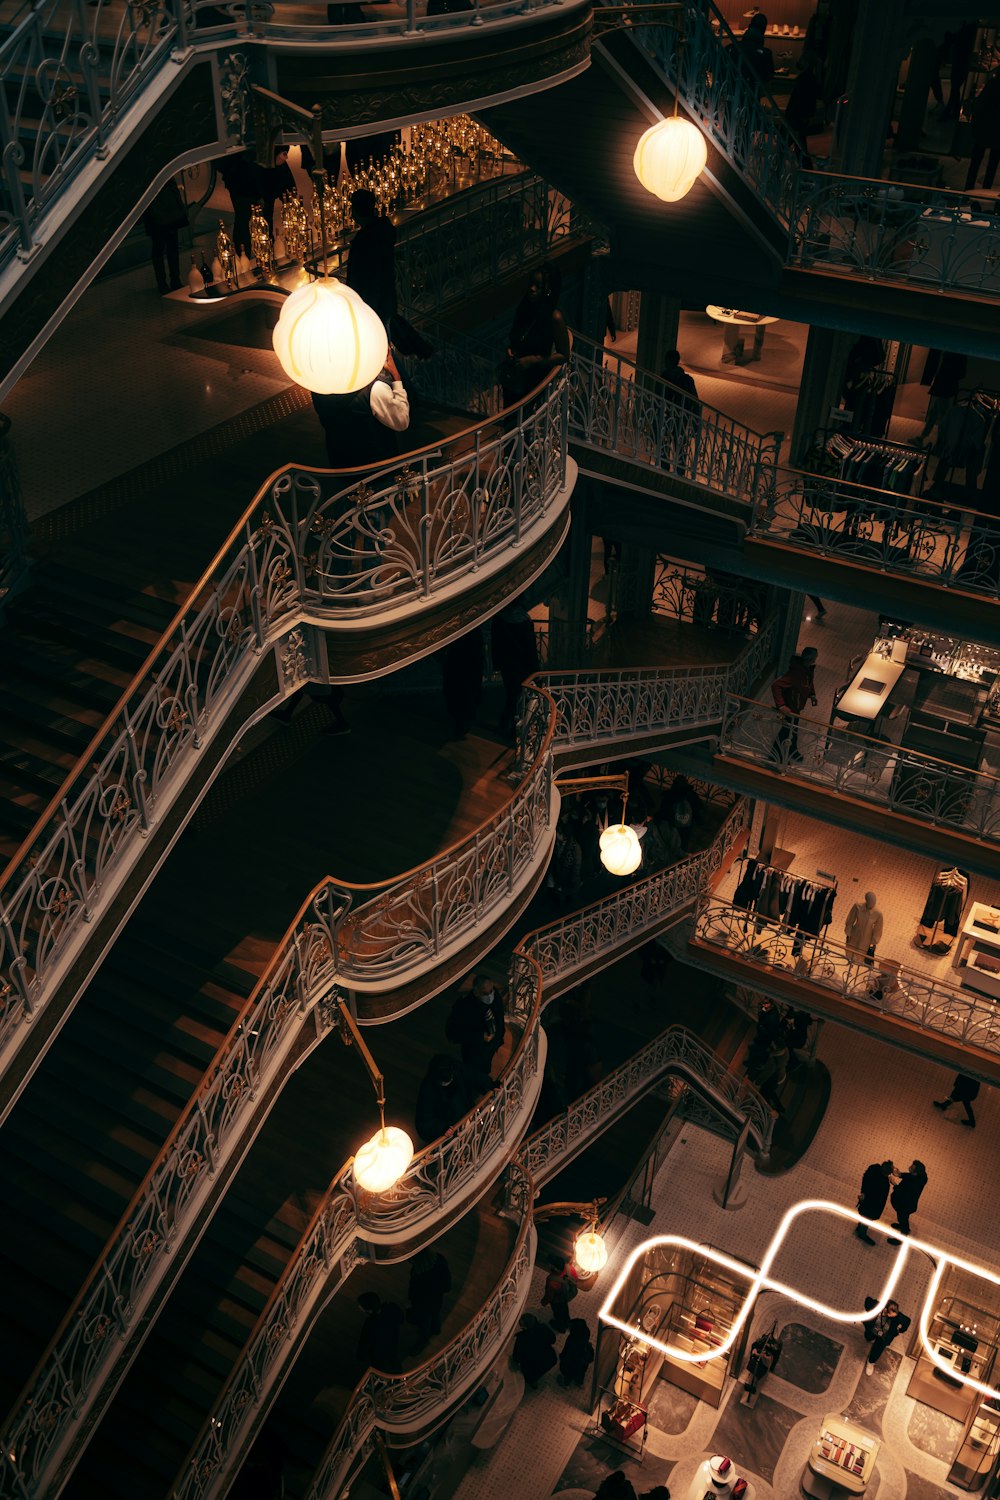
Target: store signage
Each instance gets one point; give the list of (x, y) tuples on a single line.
[(761, 1280)]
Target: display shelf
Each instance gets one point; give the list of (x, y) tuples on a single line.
[(979, 1447), (965, 1337)]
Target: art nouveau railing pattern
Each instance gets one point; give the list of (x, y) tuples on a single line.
[(675, 1052), (883, 987), (61, 90), (485, 235), (901, 534), (440, 1173), (562, 948), (724, 98), (429, 910), (344, 554), (68, 69), (894, 232), (703, 599), (873, 770), (595, 706), (118, 1291), (400, 1403), (616, 405), (13, 521)]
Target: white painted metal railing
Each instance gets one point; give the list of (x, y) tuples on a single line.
[(884, 987)]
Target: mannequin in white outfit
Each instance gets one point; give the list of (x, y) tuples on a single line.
[(863, 927)]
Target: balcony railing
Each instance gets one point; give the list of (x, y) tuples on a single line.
[(885, 987), (401, 1403), (705, 600), (68, 72), (876, 771), (724, 97), (73, 1373), (676, 1052), (564, 947), (900, 534), (441, 1173), (310, 545), (894, 232), (597, 707), (616, 405)]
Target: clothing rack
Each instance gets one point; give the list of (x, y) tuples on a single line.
[(799, 902), (877, 463)]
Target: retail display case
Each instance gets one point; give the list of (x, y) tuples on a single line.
[(965, 1333), (690, 1303)]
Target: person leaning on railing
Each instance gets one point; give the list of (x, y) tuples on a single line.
[(539, 338)]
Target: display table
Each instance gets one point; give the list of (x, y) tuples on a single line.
[(736, 325), (869, 692), (978, 950), (702, 1484), (841, 1461)]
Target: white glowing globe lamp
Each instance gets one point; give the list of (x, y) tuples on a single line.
[(621, 852), (328, 340), (670, 157), (590, 1252), (381, 1162)]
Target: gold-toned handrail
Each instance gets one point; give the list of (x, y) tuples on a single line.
[(83, 761)]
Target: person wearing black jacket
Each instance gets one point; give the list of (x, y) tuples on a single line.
[(378, 1345), (874, 1192), (752, 53), (963, 1091), (881, 1330), (533, 1353), (448, 1093), (906, 1195), (477, 1023)]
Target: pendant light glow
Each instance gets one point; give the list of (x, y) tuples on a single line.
[(590, 1252), (328, 340), (381, 1162), (621, 852), (670, 157)]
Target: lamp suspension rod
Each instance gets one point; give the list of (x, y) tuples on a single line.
[(355, 1037)]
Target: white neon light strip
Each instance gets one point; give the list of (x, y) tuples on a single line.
[(758, 1281)]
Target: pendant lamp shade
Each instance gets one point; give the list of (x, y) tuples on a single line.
[(328, 340), (590, 1252), (670, 157), (621, 852), (381, 1162)]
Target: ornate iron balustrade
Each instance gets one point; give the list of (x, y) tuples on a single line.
[(563, 947), (704, 599), (309, 545), (874, 770), (595, 706), (430, 909), (486, 234), (895, 232), (616, 405), (13, 521), (884, 986), (73, 1373), (675, 1052), (69, 70), (442, 1171), (901, 534), (724, 98), (399, 1403)]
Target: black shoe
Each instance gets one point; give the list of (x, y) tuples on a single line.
[(339, 726), (971, 1124), (864, 1235), (892, 1241), (938, 1104)]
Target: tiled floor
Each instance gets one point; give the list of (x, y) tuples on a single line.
[(880, 1106)]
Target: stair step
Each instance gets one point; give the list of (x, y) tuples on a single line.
[(115, 595), (171, 1076), (132, 1150), (144, 1015), (165, 986), (88, 1177), (24, 664), (125, 648), (285, 1226), (148, 1110), (80, 1224), (162, 956)]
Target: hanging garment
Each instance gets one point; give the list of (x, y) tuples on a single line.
[(749, 887), (942, 913)]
